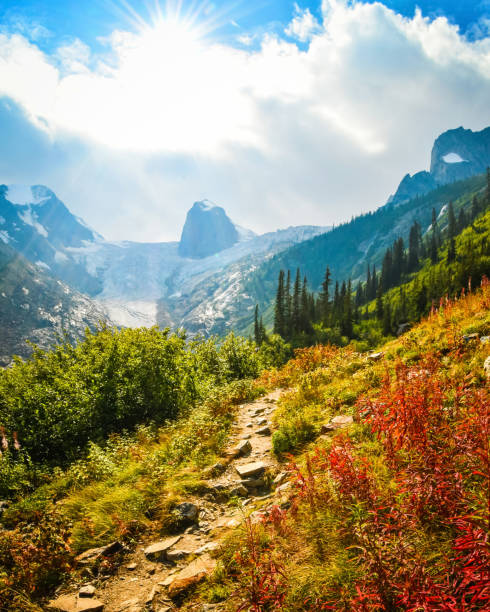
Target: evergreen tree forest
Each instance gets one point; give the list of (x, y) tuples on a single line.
[(414, 276)]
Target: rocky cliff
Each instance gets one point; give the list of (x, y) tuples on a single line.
[(207, 230)]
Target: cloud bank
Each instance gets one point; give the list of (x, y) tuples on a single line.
[(311, 127)]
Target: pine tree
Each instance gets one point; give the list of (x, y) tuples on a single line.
[(257, 325), (374, 283), (347, 312), (288, 306), (379, 304), (462, 220), (414, 247), (359, 299), (262, 332), (305, 323), (336, 304), (368, 284), (324, 300), (475, 207), (451, 251), (279, 311), (295, 315), (398, 268), (387, 270), (452, 227)]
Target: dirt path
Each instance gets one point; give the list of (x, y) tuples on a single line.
[(147, 580)]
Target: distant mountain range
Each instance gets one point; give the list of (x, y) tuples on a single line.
[(210, 281), (129, 283)]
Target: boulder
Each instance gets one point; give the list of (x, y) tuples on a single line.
[(375, 356), (87, 590), (485, 339), (244, 448), (127, 605), (471, 337), (262, 422), (264, 431), (72, 603), (253, 483), (280, 478), (177, 554), (158, 550), (186, 512), (192, 575), (94, 554), (250, 469), (341, 420), (239, 491)]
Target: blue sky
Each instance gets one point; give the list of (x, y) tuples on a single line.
[(131, 112), (90, 20)]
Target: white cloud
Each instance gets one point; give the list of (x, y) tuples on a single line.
[(327, 131), (303, 26), (74, 57)]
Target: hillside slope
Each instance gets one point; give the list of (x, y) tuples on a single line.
[(38, 308)]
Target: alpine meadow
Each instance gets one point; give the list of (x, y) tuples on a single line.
[(236, 374)]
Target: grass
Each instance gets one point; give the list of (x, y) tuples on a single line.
[(392, 513)]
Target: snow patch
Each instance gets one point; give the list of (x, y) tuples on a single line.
[(443, 210), (131, 314), (453, 158), (4, 237), (29, 218), (22, 195)]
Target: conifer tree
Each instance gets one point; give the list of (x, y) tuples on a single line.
[(398, 269), (296, 315), (335, 305), (462, 220), (287, 306), (387, 270), (374, 283), (452, 227), (475, 207), (305, 323), (414, 247), (368, 284), (324, 301), (347, 311), (279, 322), (257, 325)]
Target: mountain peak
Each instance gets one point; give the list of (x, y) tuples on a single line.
[(457, 154), (207, 230)]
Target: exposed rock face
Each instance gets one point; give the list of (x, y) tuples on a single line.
[(207, 230), (412, 186), (456, 155), (459, 154), (36, 307)]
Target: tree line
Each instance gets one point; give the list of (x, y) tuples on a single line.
[(423, 270)]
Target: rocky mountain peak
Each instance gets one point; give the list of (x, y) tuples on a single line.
[(207, 230), (456, 155)]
